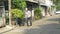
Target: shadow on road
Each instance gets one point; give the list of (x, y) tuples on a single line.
[(44, 29)]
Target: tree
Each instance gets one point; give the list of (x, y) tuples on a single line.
[(20, 4), (57, 3), (9, 2)]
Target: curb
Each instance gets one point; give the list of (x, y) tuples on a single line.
[(1, 32)]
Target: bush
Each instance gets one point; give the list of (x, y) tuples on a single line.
[(37, 13), (16, 13)]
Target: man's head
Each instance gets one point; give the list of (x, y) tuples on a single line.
[(26, 9)]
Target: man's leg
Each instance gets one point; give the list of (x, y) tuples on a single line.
[(27, 21), (30, 21), (24, 19)]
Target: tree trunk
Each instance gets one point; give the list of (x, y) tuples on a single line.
[(9, 2)]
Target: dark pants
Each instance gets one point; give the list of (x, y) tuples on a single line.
[(29, 21), (16, 21)]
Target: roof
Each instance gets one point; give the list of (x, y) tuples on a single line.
[(32, 1)]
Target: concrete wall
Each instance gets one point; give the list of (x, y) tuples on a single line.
[(2, 15)]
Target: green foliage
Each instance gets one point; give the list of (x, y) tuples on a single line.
[(58, 7), (57, 3), (20, 4), (16, 13), (37, 13)]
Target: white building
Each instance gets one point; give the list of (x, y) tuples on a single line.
[(44, 5)]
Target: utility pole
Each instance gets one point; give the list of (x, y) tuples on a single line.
[(9, 3)]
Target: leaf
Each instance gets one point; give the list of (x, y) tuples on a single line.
[(17, 13)]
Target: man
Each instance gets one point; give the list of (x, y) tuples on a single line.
[(28, 17)]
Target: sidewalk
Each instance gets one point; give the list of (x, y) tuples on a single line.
[(6, 29)]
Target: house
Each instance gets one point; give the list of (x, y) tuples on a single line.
[(2, 13), (3, 7), (43, 4)]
